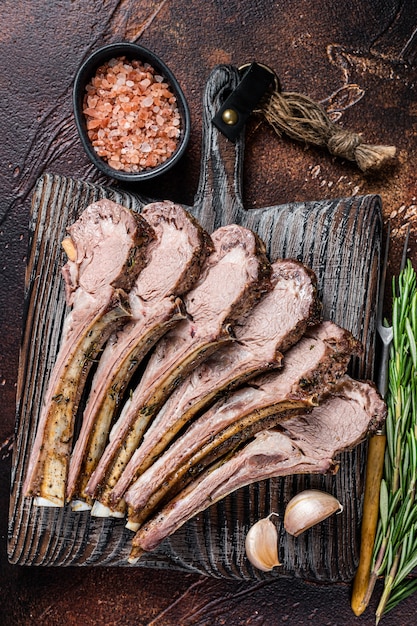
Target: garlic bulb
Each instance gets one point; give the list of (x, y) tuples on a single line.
[(261, 544), (308, 508)]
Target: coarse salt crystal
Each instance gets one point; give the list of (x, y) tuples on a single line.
[(147, 102)]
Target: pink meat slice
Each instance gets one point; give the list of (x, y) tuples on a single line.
[(107, 250), (173, 264), (238, 263), (310, 367), (277, 322), (307, 443)]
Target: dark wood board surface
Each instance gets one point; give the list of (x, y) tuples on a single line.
[(339, 239), (358, 58)]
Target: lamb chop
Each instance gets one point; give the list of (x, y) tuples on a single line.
[(238, 263), (301, 444), (106, 250), (276, 322), (310, 368), (174, 261)]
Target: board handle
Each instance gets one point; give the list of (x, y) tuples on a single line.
[(218, 200)]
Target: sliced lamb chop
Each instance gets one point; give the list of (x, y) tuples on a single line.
[(174, 261), (106, 250), (276, 322), (233, 279), (310, 368), (302, 444)]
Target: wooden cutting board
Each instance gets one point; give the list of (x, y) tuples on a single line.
[(339, 239)]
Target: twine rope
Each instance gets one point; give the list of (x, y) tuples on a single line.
[(301, 118)]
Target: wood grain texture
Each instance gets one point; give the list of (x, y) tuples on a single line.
[(339, 239)]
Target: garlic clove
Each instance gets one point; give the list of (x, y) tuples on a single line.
[(309, 508), (261, 544)]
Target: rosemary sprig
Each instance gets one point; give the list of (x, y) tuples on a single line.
[(395, 551)]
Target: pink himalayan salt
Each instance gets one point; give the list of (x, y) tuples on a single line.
[(132, 116)]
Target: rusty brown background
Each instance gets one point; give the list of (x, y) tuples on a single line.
[(357, 57)]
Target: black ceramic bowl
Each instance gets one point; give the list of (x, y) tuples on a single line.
[(87, 71)]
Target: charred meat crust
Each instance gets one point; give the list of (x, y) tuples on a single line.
[(285, 421), (137, 229), (50, 464), (200, 241)]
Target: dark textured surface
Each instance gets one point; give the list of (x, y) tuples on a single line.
[(359, 59)]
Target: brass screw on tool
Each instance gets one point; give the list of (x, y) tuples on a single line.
[(230, 117)]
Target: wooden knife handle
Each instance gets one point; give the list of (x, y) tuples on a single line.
[(374, 470)]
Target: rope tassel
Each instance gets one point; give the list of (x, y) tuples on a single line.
[(301, 118)]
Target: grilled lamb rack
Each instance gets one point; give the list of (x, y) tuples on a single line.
[(310, 368), (106, 250), (174, 261), (238, 263), (278, 321), (307, 443)]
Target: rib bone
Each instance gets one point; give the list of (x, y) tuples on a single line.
[(109, 243)]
